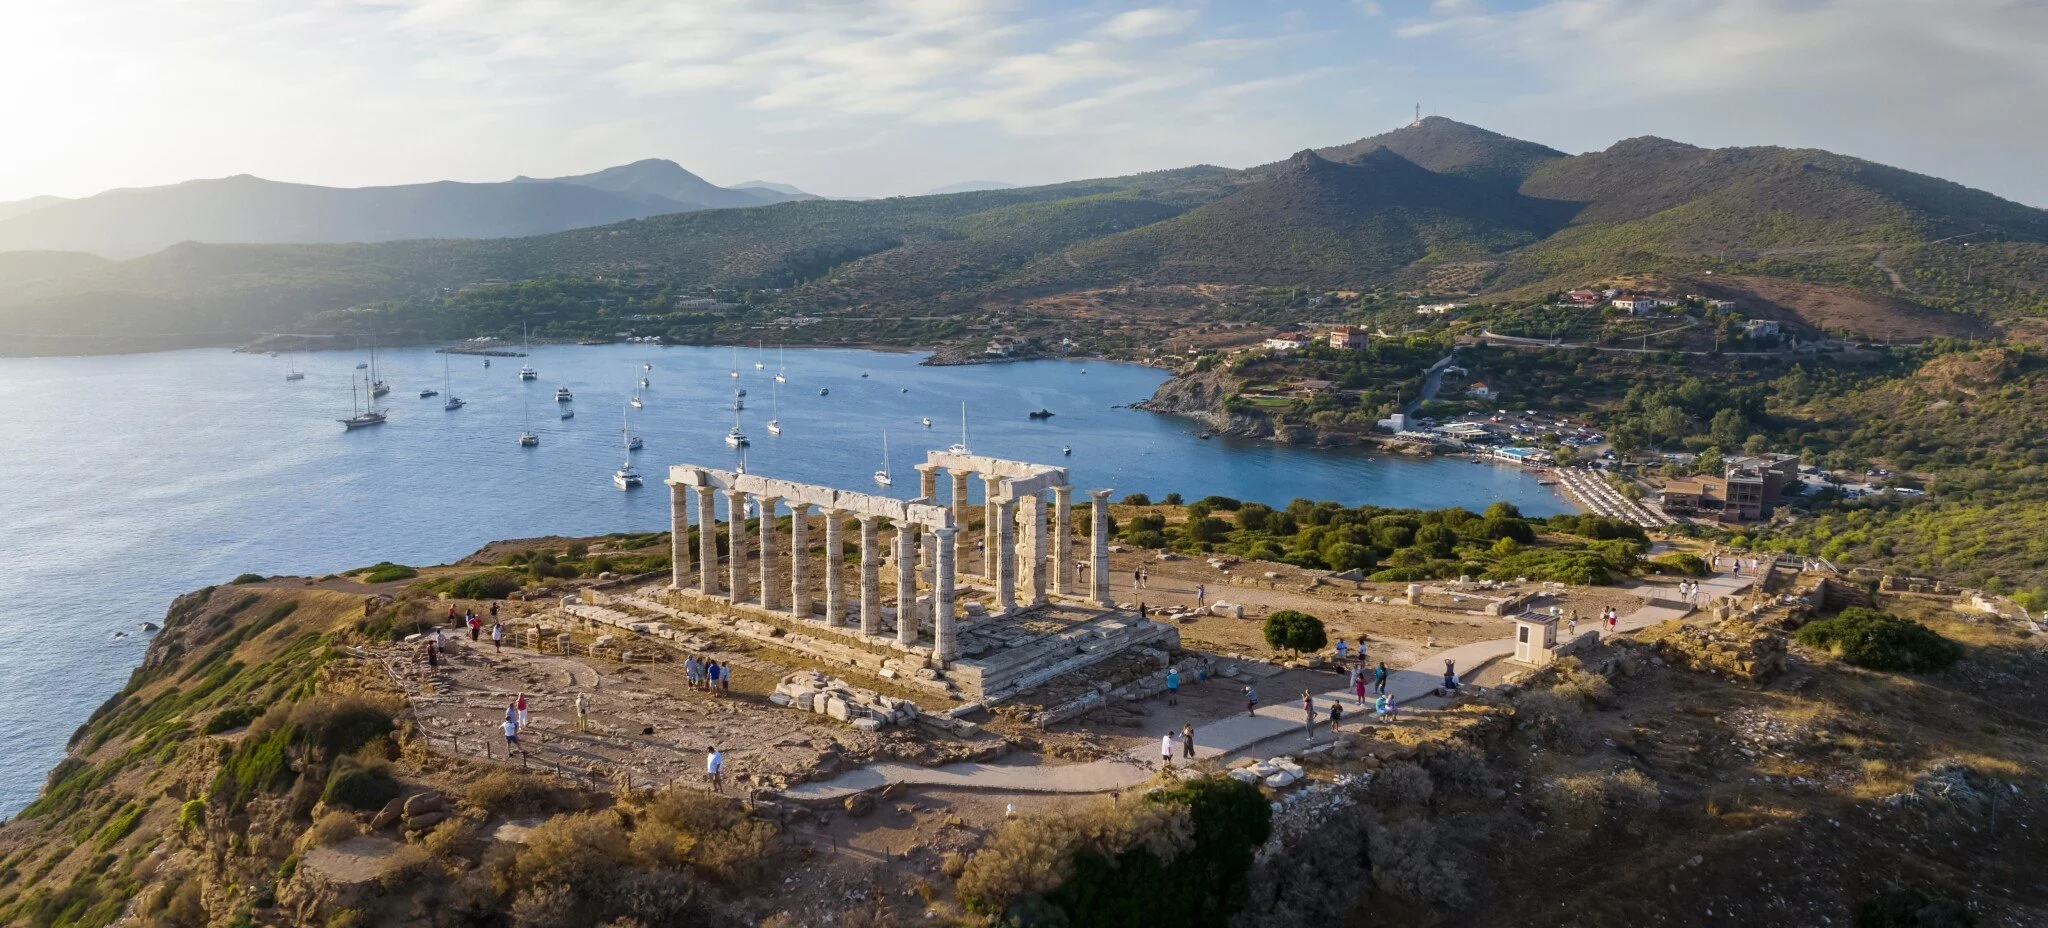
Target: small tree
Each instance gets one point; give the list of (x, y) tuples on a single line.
[(1288, 630)]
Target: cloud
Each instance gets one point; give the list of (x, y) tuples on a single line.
[(1148, 23)]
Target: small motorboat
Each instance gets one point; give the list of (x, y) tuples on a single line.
[(738, 404), (454, 403), (824, 391), (927, 422), (635, 444), (1041, 414), (904, 390), (637, 404), (643, 383), (362, 365), (528, 440), (487, 362), (774, 426), (863, 373), (1066, 449), (568, 412), (429, 394), (646, 366), (295, 375)]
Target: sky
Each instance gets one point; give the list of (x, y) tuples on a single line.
[(883, 97)]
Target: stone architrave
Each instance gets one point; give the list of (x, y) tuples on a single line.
[(1063, 540), (771, 576), (906, 584), (800, 560), (870, 576), (945, 637), (736, 544), (835, 556), (1100, 536), (1006, 554), (678, 535), (707, 541), (960, 515)]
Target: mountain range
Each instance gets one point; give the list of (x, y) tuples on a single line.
[(1434, 206), (243, 209)]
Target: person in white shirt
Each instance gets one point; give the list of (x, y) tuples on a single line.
[(1166, 751), (714, 767), (512, 737)]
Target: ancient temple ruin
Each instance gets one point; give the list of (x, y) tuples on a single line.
[(979, 626)]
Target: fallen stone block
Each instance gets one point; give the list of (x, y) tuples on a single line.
[(1282, 780), (780, 698), (1244, 775), (867, 725)]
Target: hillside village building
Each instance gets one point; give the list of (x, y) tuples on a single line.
[(1747, 490)]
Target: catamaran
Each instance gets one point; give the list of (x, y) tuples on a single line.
[(448, 383), (736, 438), (562, 394), (961, 448), (526, 371), (527, 439), (775, 407), (625, 478), (360, 417), (882, 476)]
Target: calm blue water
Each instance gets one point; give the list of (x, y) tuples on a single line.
[(125, 481)]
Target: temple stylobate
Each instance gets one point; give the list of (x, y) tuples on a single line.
[(1026, 561)]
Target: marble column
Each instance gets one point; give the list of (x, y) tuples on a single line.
[(906, 583), (736, 544), (678, 535), (1006, 555), (928, 481), (992, 525), (800, 560), (835, 555), (771, 570), (1032, 547), (707, 540), (870, 576), (960, 515), (945, 638), (1063, 540), (1099, 534)]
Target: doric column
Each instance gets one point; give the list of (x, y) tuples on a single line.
[(707, 540), (960, 515), (800, 560), (1063, 540), (906, 583), (771, 572), (1032, 547), (1006, 554), (835, 554), (945, 639), (1099, 534), (678, 535), (736, 544), (928, 481), (992, 524), (870, 576)]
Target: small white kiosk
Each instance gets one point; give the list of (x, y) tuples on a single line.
[(1535, 639)]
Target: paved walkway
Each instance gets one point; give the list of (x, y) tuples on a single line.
[(1279, 715)]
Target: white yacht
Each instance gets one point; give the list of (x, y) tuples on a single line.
[(562, 394), (626, 478), (527, 439), (961, 448), (927, 422), (775, 406), (762, 364), (781, 366), (882, 478), (736, 438), (526, 371)]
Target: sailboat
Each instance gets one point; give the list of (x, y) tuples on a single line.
[(781, 365), (735, 362), (292, 373), (625, 478), (448, 383), (961, 448), (526, 371), (762, 364), (527, 439), (636, 401), (882, 476), (775, 405), (360, 417), (736, 438), (377, 385)]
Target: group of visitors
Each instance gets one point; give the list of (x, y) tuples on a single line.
[(1378, 676), (516, 721), (707, 674), (1187, 746), (1689, 591)]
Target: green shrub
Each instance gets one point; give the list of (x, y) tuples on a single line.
[(340, 726), (1137, 499), (491, 584), (230, 718), (385, 572), (354, 786), (258, 765), (1679, 564), (1288, 630), (1881, 641), (248, 578), (192, 814), (120, 825)]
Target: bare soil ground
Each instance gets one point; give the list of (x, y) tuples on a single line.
[(1843, 309)]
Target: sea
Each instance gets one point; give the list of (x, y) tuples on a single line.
[(128, 480)]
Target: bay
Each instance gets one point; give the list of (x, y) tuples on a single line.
[(127, 480)]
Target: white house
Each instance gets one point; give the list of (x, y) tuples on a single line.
[(1480, 390), (1285, 341)]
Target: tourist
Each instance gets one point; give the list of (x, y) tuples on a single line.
[(582, 713), (714, 767), (1251, 701), (433, 659), (1358, 685), (498, 637), (520, 704), (1187, 741), (1202, 671), (711, 676), (1450, 668), (1381, 706), (494, 612), (1336, 716), (1571, 626), (1379, 679), (512, 713), (725, 678), (1173, 686), (1341, 648), (475, 629), (1361, 649), (1141, 610), (690, 671), (440, 640), (1166, 751), (1201, 595), (1137, 579), (451, 614), (1308, 711), (512, 738)]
